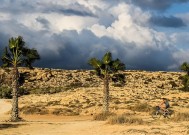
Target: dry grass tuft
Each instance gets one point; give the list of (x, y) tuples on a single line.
[(141, 107), (125, 119), (64, 111), (34, 110), (184, 116), (103, 116)]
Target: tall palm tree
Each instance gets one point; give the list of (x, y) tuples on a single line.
[(15, 55), (108, 69)]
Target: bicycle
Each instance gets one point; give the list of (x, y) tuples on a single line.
[(167, 113)]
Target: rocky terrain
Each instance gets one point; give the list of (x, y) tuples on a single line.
[(57, 78)]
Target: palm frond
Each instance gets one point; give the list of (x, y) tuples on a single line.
[(95, 63), (12, 43), (118, 65), (107, 58), (184, 66), (6, 58), (18, 54), (30, 56)]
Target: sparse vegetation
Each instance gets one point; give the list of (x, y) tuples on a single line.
[(5, 92), (65, 111), (32, 109), (103, 116), (125, 119), (173, 84), (182, 116), (141, 107), (47, 90)]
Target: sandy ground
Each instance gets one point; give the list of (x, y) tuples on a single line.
[(81, 125), (5, 106)]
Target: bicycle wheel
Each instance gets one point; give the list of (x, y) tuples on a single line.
[(170, 114), (156, 115)]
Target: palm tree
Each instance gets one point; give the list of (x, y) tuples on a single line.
[(185, 78), (15, 55), (107, 69), (185, 67)]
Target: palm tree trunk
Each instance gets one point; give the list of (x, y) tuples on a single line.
[(106, 95), (14, 113)]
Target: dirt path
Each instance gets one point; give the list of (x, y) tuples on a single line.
[(5, 106), (81, 125)]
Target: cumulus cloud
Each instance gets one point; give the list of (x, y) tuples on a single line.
[(68, 33)]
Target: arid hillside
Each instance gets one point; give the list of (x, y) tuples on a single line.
[(79, 92), (70, 79)]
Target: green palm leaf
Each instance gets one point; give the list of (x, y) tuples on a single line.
[(6, 58), (107, 58), (185, 66), (95, 63), (117, 65), (12, 43)]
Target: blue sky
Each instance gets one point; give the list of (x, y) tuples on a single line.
[(147, 35)]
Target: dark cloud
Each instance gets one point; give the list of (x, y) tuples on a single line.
[(17, 7), (72, 9), (72, 50), (167, 21), (43, 21), (75, 9), (75, 50), (157, 4), (44, 7)]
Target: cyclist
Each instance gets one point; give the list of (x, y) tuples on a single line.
[(164, 105)]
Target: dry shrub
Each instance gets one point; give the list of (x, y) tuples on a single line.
[(141, 107), (53, 103), (125, 119), (184, 116), (103, 116), (64, 111), (34, 110)]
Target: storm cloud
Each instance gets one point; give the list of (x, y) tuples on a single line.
[(68, 33), (164, 21), (160, 5)]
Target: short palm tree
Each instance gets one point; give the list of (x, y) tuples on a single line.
[(185, 67), (185, 78), (15, 55), (108, 69)]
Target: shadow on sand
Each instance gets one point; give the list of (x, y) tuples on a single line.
[(8, 125)]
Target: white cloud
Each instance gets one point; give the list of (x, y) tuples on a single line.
[(131, 27)]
